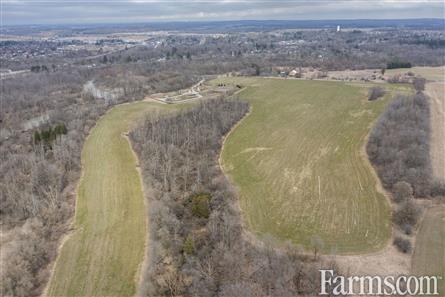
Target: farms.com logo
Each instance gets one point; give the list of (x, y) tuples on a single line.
[(338, 285)]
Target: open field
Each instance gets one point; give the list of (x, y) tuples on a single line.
[(299, 164), (430, 73), (429, 253), (436, 91), (102, 255)]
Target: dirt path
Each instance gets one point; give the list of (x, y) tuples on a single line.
[(388, 261)]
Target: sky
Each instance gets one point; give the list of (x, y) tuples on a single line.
[(20, 12)]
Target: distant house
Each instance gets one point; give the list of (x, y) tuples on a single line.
[(293, 73)]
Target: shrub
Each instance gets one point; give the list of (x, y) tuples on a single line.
[(407, 229), (419, 84), (398, 64), (375, 93), (200, 205), (50, 134), (402, 191), (399, 144), (408, 213), (189, 245), (402, 244), (438, 189)]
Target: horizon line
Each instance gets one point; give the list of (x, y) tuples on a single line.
[(218, 21)]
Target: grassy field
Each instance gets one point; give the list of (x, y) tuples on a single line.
[(299, 164), (430, 73), (429, 253), (102, 255)]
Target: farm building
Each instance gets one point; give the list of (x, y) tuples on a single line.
[(293, 73)]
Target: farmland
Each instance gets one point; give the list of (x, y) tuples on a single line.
[(430, 73), (429, 255), (103, 253), (299, 165)]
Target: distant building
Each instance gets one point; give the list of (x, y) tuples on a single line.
[(293, 73), (338, 29)]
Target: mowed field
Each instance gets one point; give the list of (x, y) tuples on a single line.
[(299, 164), (102, 255), (429, 252), (430, 73)]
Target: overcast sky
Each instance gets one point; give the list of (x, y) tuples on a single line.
[(15, 12)]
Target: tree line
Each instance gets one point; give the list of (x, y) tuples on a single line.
[(399, 147)]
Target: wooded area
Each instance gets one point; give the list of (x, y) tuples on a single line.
[(399, 148)]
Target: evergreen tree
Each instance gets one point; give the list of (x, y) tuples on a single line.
[(37, 137)]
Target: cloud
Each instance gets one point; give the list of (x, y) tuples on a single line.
[(111, 11)]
